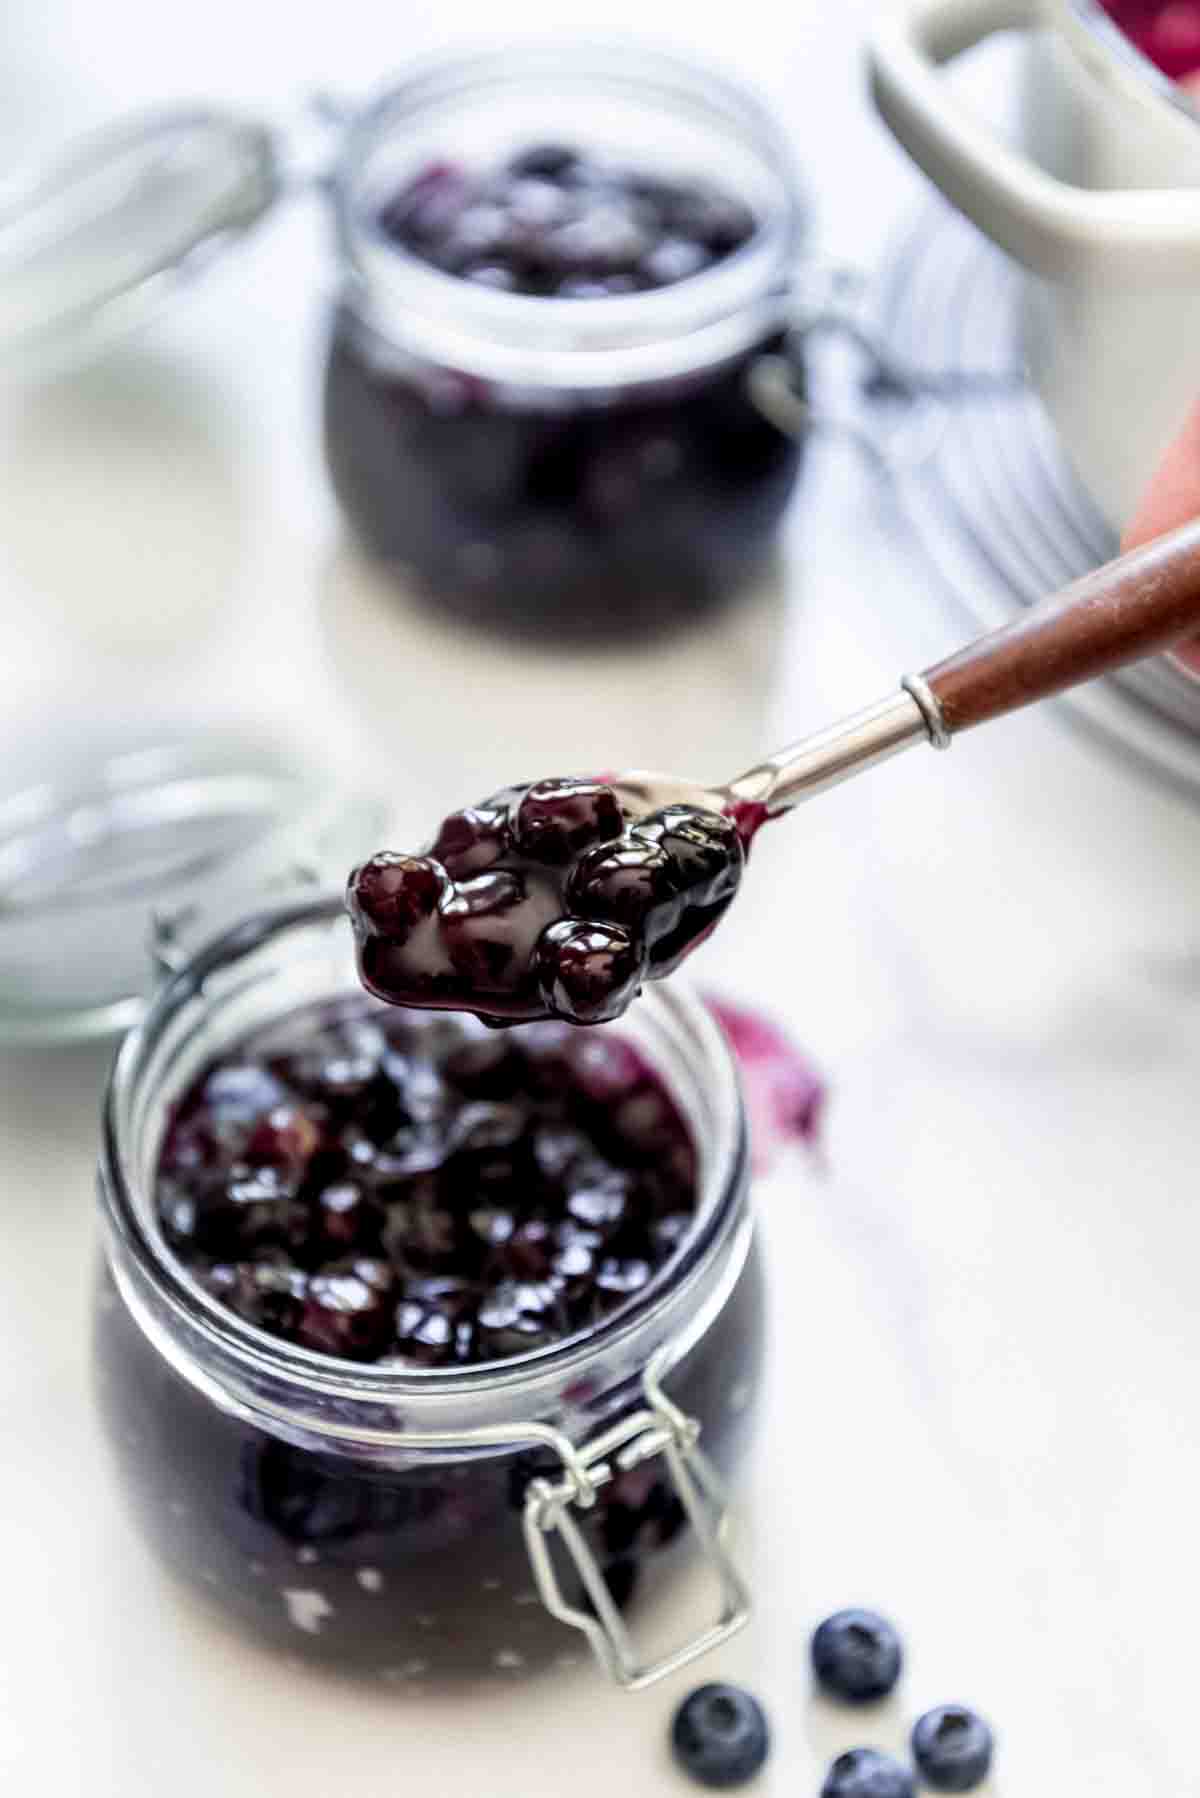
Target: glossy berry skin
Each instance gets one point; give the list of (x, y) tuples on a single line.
[(1169, 34), (866, 1773), (429, 1195), (720, 1736), (268, 1294), (953, 1748), (348, 1310), (856, 1656), (554, 821), (346, 1218), (631, 882), (588, 972), (707, 856), (703, 847), (395, 893), (543, 901)]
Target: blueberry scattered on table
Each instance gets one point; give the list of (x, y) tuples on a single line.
[(556, 222), (720, 1735), (856, 1656), (866, 1773), (952, 1747), (543, 901)]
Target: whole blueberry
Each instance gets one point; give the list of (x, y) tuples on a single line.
[(856, 1655), (720, 1735), (348, 1310), (865, 1773), (704, 848), (587, 972), (626, 882), (555, 820), (952, 1747), (269, 1294), (393, 893), (471, 841)]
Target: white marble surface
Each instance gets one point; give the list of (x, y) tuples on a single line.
[(981, 1412)]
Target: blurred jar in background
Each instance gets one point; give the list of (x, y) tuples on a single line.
[(557, 437)]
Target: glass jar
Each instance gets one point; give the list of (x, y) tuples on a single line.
[(422, 1523), (591, 466)]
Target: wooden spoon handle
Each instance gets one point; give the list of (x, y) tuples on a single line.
[(1136, 606)]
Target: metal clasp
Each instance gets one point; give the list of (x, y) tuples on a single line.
[(659, 1429), (906, 414)]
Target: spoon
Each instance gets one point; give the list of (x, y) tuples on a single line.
[(560, 897), (1142, 603)]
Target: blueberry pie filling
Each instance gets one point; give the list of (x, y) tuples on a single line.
[(543, 902)]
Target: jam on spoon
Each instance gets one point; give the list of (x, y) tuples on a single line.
[(546, 900)]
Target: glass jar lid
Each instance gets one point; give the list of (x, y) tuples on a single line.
[(92, 240), (116, 851)]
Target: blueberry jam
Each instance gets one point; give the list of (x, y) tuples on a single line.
[(416, 1196), (556, 222), (400, 1188), (542, 902), (554, 509)]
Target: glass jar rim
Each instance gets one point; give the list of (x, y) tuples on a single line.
[(255, 1352), (530, 340)]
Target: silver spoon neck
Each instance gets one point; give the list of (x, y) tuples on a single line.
[(841, 750)]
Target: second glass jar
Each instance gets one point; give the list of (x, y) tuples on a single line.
[(562, 467)]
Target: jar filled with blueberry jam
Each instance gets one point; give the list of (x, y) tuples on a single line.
[(560, 267), (422, 1347)]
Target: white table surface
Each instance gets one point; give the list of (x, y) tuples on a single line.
[(982, 1400)]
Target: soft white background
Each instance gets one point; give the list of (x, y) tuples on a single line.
[(982, 1401)]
